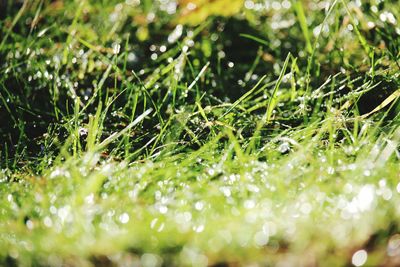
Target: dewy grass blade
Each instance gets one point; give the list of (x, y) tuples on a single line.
[(201, 73), (270, 107), (384, 103), (360, 37), (254, 38), (115, 136), (77, 15), (298, 7), (242, 98), (14, 22), (273, 99)]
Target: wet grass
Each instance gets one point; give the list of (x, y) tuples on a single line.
[(157, 133)]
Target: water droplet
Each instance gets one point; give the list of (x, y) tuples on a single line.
[(116, 48), (150, 260), (176, 34), (249, 204), (306, 208), (154, 56), (47, 222), (393, 248), (163, 209), (198, 229), (359, 258), (365, 198), (83, 131), (199, 205), (124, 218), (284, 148), (330, 170), (29, 224), (261, 238)]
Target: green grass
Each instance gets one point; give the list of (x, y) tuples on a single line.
[(260, 137)]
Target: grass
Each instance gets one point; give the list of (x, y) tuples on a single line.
[(136, 134)]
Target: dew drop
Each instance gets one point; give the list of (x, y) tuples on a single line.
[(261, 238), (359, 258), (124, 218)]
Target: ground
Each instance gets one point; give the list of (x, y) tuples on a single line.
[(199, 133)]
